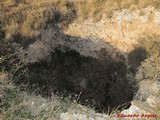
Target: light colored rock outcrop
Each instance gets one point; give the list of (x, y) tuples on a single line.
[(122, 30)]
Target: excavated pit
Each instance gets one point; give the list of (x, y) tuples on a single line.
[(101, 83), (91, 71)]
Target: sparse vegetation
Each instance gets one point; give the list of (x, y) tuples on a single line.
[(150, 68), (18, 105), (27, 17)]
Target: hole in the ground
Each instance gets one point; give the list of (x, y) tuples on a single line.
[(100, 83)]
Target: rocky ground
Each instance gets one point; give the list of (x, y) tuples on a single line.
[(122, 30)]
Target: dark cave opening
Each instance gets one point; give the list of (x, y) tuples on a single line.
[(99, 83)]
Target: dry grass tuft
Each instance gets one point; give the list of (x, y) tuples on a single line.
[(18, 105)]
